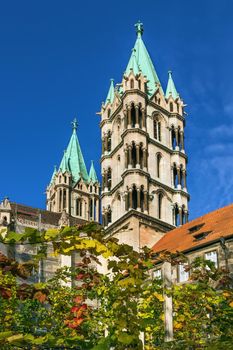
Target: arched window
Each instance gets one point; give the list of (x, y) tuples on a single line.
[(131, 84), (109, 215), (171, 107), (60, 199), (159, 157), (109, 141), (142, 198), (109, 112), (109, 178), (157, 129), (139, 84), (64, 199), (175, 176), (133, 116), (160, 202), (173, 136), (176, 215), (134, 155), (134, 196), (78, 207)]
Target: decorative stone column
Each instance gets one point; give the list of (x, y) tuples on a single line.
[(130, 198), (179, 178), (186, 215), (125, 118), (93, 208), (181, 216), (143, 119), (129, 117), (144, 159), (138, 199), (177, 139), (126, 158), (185, 180), (182, 141), (172, 176), (105, 144), (145, 193), (138, 156), (130, 157), (106, 218), (126, 200), (105, 181), (137, 116)]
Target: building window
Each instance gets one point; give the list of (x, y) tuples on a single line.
[(157, 130), (160, 201), (157, 273), (131, 84), (171, 107), (183, 275), (212, 256), (159, 165), (139, 84), (109, 112)]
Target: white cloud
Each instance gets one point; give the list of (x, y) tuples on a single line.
[(222, 131)]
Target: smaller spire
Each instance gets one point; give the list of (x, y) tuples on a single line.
[(171, 89), (74, 124), (92, 174), (110, 95), (54, 174), (139, 28)]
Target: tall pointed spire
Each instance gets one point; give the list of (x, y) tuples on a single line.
[(171, 89), (143, 60), (110, 95), (73, 160), (92, 174)]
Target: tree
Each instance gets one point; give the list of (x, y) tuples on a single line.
[(113, 310)]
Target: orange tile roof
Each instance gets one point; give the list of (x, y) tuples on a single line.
[(212, 226)]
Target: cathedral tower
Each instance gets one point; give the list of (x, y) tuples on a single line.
[(144, 191), (71, 188)]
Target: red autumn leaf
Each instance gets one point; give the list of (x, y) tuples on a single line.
[(41, 297), (74, 309), (78, 299), (80, 276), (5, 293)]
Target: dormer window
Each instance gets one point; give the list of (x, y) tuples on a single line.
[(109, 113), (195, 228), (139, 84), (90, 188), (131, 84), (201, 235), (171, 107)]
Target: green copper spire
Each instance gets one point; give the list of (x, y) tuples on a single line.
[(54, 174), (92, 174), (72, 160), (171, 89), (143, 61), (110, 96)]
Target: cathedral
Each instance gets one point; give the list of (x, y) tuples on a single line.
[(143, 162), (143, 166)]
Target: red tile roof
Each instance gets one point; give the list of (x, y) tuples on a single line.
[(203, 230)]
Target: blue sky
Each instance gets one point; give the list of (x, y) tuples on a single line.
[(56, 59)]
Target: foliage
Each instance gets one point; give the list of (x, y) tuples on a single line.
[(108, 298)]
